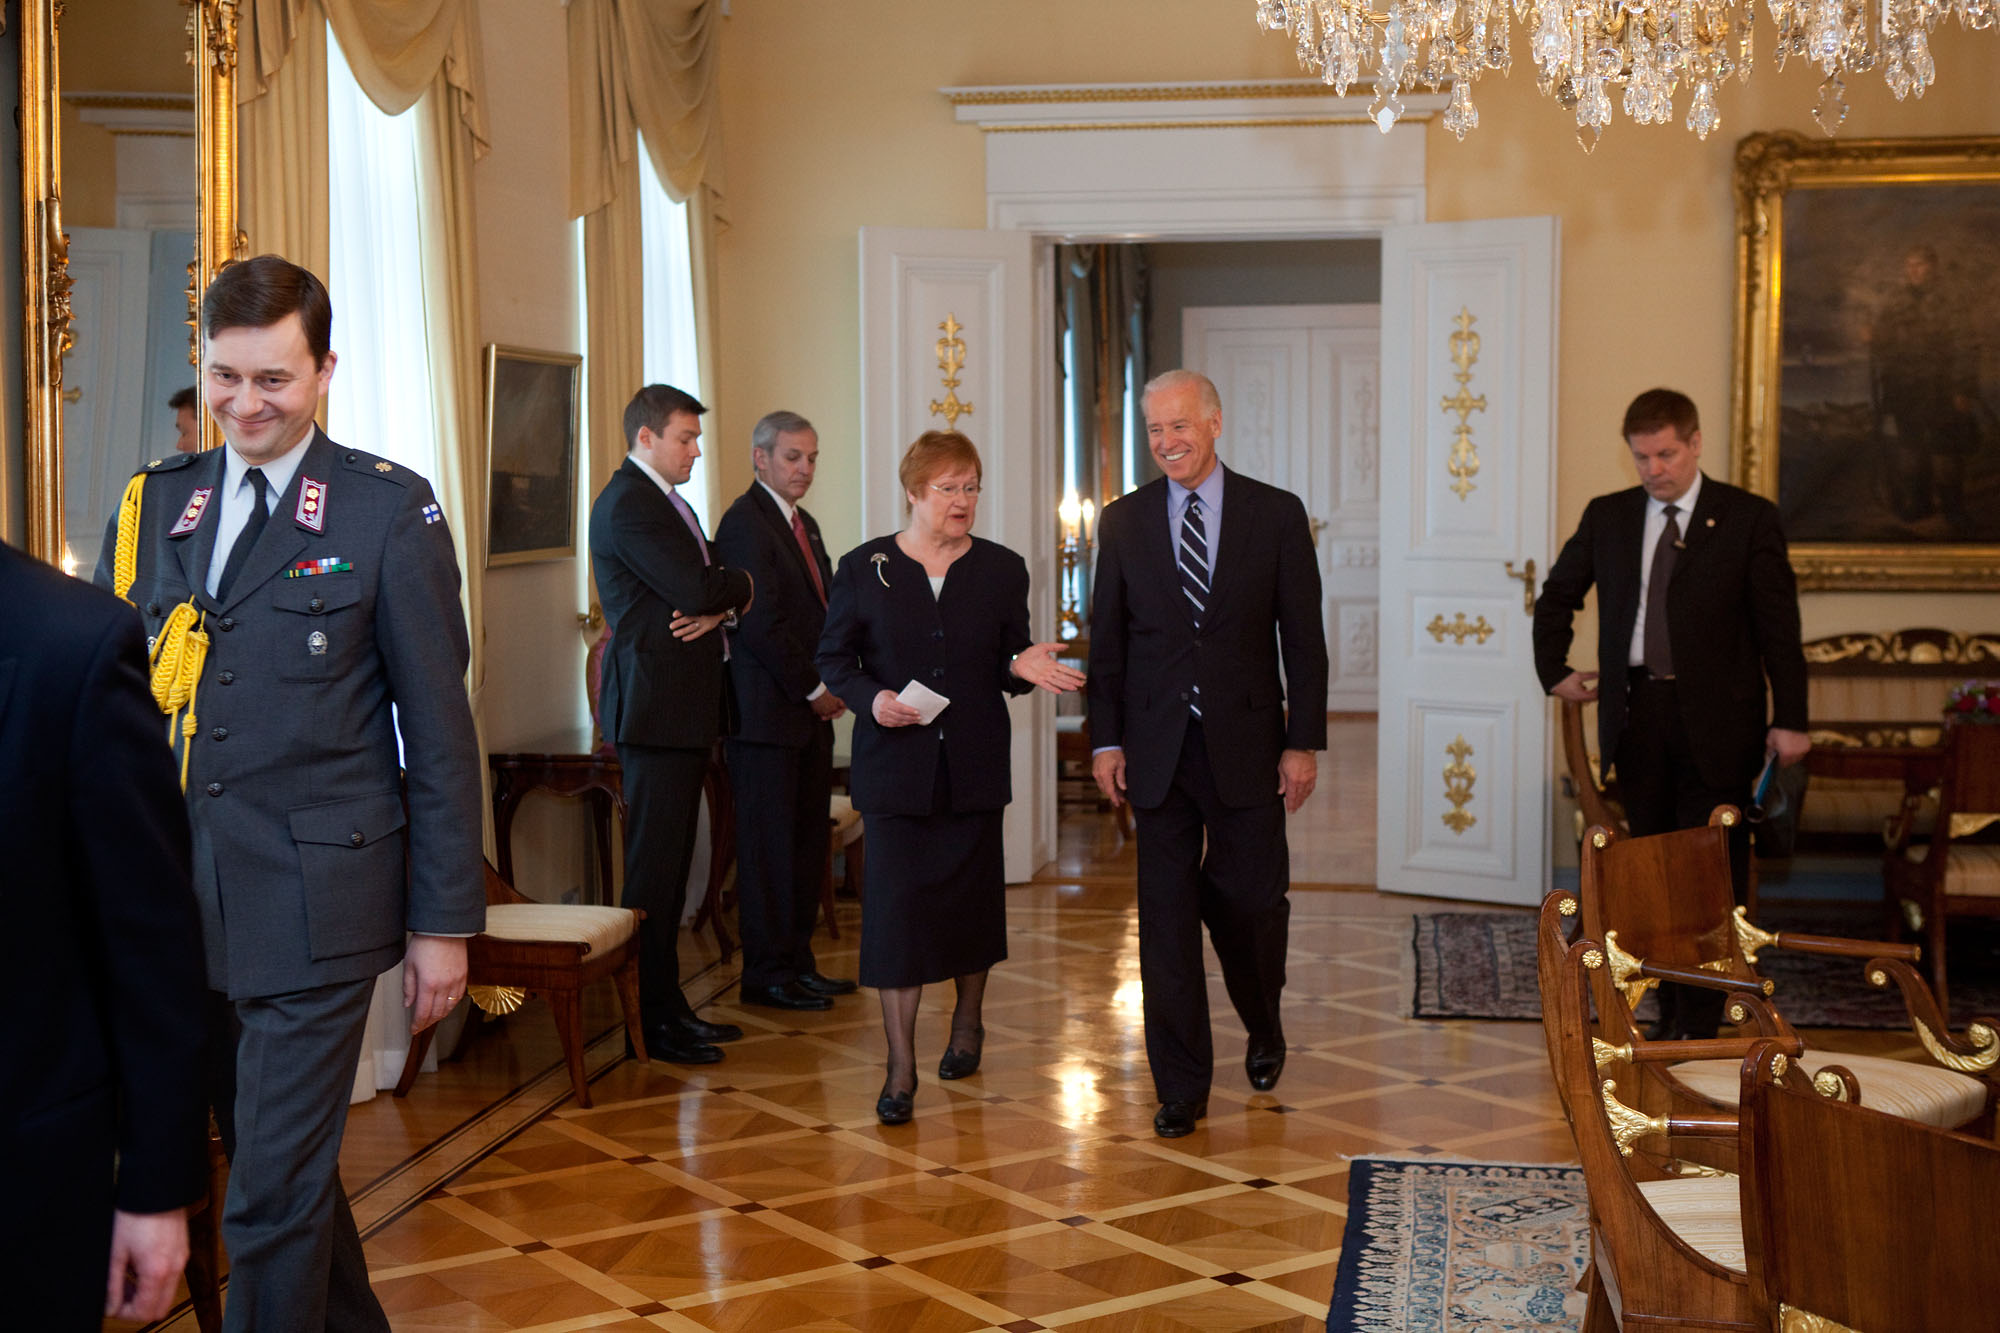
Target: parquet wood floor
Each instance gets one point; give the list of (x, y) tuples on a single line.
[(761, 1195)]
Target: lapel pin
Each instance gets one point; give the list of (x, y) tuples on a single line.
[(1709, 524), (880, 560)]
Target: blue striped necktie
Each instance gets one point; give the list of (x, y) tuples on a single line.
[(1193, 561)]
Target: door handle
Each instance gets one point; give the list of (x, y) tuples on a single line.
[(1527, 577), (1317, 524), (73, 394)]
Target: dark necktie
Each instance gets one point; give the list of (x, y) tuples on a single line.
[(252, 526), (1659, 645), (1194, 567), (806, 549)]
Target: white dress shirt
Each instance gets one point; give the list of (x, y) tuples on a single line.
[(1649, 541), (235, 497)]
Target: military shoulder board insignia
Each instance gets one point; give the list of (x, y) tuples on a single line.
[(190, 518), (433, 514), (312, 504), (385, 467)]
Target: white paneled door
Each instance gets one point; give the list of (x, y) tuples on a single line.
[(953, 327), (1468, 409), (1300, 395)]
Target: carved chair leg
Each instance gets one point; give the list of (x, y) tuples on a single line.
[(204, 1265), (826, 885), (420, 1045), (626, 979), (568, 1006)]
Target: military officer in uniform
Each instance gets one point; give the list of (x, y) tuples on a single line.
[(296, 592)]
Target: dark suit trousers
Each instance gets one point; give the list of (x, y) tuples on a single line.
[(1237, 889), (662, 786), (295, 1259), (781, 794), (1663, 791)]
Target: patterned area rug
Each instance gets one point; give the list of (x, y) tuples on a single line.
[(1461, 1247), (1482, 965)]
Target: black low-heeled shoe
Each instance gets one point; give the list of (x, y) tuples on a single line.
[(957, 1064), (895, 1108)]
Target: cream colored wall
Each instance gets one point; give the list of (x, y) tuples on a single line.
[(527, 298), (126, 46)]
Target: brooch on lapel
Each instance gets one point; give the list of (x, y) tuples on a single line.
[(880, 560), (190, 518), (312, 505)]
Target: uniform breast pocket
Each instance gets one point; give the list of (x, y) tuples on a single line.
[(319, 615)]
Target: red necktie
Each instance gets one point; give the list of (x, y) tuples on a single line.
[(812, 561)]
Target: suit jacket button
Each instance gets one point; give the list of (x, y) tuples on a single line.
[(1184, 696), (215, 789), (226, 678), (228, 623), (357, 837), (219, 734), (315, 605), (937, 673)]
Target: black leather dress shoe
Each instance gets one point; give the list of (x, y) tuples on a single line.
[(669, 1043), (824, 985), (1176, 1119), (785, 995), (894, 1108), (1264, 1061), (693, 1029)]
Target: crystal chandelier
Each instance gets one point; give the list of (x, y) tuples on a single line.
[(1584, 48)]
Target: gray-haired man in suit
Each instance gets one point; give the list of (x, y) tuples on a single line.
[(324, 583)]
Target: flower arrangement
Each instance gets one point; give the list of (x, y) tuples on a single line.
[(1974, 701)]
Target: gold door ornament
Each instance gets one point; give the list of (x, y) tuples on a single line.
[(1464, 462), (951, 360), (1458, 779), (1459, 628)]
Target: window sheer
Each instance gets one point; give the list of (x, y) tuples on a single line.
[(669, 354)]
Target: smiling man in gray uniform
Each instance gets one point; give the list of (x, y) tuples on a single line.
[(309, 594)]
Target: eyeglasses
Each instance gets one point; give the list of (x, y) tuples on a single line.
[(970, 491)]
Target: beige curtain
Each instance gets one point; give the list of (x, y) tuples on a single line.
[(281, 155), (611, 264), (394, 47)]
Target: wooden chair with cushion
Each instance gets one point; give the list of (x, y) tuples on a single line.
[(1862, 1220), (553, 949), (1666, 1241), (1946, 874), (1663, 905)]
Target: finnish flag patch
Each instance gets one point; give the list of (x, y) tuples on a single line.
[(433, 514)]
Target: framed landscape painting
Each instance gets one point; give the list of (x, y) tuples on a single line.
[(1867, 394), (532, 401)]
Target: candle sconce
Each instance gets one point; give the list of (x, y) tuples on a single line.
[(1078, 520)]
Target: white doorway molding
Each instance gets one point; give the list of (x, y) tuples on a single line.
[(1209, 161)]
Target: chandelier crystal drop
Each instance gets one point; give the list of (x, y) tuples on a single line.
[(1584, 49)]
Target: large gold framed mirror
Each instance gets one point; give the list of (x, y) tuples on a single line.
[(131, 104)]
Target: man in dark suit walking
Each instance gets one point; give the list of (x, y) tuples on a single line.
[(310, 593), (1206, 583), (781, 757), (1697, 612), (98, 898), (665, 696)]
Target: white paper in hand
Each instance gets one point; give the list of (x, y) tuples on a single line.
[(928, 702)]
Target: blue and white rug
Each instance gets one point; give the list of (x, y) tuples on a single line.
[(1454, 1247)]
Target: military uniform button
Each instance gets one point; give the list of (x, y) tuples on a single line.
[(357, 837), (226, 678), (219, 734), (315, 605), (215, 789), (228, 623), (152, 608)]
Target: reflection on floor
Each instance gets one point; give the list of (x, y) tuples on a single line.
[(761, 1195)]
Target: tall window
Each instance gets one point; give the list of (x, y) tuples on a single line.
[(669, 355), (381, 394)]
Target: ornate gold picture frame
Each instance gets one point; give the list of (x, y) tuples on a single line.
[(533, 419), (1867, 385)]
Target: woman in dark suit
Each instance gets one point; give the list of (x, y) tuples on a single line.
[(936, 606)]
